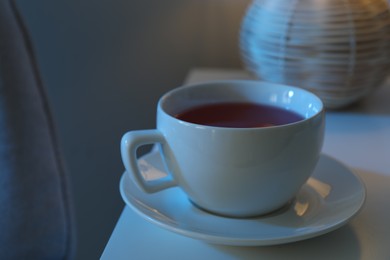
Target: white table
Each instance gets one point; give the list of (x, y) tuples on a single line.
[(359, 137)]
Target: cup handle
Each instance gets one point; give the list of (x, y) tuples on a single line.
[(129, 144)]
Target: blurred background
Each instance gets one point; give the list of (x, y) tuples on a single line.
[(105, 63)]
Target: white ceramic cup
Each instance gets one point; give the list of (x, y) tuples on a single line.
[(237, 172)]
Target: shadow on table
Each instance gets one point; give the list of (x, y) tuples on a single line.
[(362, 238), (339, 244), (355, 123)]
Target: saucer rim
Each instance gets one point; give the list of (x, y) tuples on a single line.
[(258, 241)]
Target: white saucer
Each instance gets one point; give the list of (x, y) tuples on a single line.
[(328, 200)]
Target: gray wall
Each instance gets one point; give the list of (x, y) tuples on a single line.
[(105, 63)]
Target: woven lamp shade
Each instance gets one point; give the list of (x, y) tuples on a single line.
[(338, 49)]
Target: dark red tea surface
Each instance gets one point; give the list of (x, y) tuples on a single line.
[(239, 115)]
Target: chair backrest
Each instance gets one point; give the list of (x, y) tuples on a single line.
[(36, 219)]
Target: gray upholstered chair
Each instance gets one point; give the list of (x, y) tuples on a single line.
[(36, 220)]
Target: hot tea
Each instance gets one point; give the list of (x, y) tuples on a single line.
[(222, 169), (239, 115)]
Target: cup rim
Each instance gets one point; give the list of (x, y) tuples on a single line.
[(237, 82)]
